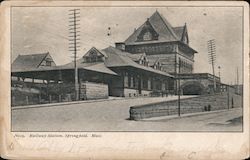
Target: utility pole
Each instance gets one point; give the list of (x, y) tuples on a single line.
[(219, 67), (228, 97), (179, 90), (212, 57), (237, 84), (74, 38), (219, 72)]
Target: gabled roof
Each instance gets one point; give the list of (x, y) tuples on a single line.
[(161, 26), (166, 32), (91, 66), (179, 31), (118, 58), (95, 50), (27, 62)]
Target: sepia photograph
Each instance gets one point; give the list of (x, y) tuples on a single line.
[(164, 68), (126, 80)]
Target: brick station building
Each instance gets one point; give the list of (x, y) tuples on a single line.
[(160, 41), (169, 46), (147, 63)]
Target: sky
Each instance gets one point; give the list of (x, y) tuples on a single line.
[(45, 29)]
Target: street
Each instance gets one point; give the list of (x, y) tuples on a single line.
[(112, 115)]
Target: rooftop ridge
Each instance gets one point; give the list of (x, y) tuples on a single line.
[(167, 24)]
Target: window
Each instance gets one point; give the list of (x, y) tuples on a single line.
[(149, 84), (48, 63), (126, 80), (129, 80), (93, 57), (132, 82), (147, 36)]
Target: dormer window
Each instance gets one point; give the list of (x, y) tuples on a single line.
[(147, 36), (94, 55), (147, 33), (48, 63), (157, 66), (143, 61)]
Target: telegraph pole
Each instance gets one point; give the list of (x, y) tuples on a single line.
[(219, 67), (179, 90), (237, 81), (74, 38), (212, 57)]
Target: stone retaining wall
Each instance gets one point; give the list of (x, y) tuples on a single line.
[(204, 103), (90, 90)]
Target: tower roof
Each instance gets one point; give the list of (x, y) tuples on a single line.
[(166, 32)]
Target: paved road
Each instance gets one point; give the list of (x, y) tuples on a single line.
[(112, 116)]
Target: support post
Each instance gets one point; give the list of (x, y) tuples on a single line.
[(60, 98), (27, 100), (39, 97), (50, 99)]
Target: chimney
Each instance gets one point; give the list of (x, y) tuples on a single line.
[(120, 46)]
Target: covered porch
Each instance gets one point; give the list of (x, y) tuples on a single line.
[(57, 84)]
